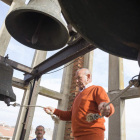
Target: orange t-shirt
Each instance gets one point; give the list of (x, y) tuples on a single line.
[(84, 103)]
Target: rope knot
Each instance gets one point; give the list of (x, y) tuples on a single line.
[(131, 82), (90, 117), (134, 82)]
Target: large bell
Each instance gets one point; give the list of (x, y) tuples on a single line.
[(111, 25), (6, 91), (38, 25)]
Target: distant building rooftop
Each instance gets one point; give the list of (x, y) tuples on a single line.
[(7, 131)]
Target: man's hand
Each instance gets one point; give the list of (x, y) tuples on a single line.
[(105, 111), (49, 109)]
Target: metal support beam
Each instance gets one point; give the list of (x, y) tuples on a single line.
[(30, 113), (17, 65), (62, 57), (21, 115), (39, 56)]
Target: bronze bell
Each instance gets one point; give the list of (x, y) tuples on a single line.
[(38, 25), (111, 25), (6, 91)]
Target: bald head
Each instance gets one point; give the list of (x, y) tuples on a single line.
[(83, 77), (84, 71)]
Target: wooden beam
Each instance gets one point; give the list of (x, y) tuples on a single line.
[(129, 94), (42, 90), (50, 93), (17, 65), (18, 83)]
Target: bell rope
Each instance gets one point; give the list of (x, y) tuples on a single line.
[(90, 117), (54, 118)]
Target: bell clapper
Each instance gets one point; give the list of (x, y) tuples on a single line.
[(7, 100), (36, 34)]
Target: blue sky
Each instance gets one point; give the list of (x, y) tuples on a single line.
[(24, 55)]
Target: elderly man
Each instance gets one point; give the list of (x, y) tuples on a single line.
[(90, 99), (40, 131)]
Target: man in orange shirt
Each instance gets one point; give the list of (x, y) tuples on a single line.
[(90, 99)]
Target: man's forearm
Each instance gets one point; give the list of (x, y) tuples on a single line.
[(63, 115)]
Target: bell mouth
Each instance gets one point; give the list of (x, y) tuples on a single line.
[(4, 93), (112, 26), (23, 22), (11, 96)]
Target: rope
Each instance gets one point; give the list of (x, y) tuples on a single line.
[(130, 85), (90, 117), (66, 65), (54, 118)]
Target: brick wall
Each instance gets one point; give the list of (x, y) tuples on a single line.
[(73, 91)]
